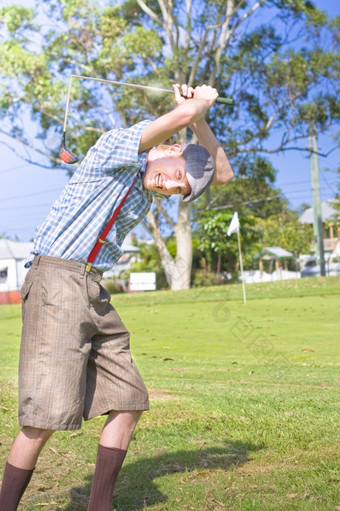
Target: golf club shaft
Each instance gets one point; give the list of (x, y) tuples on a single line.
[(67, 102), (227, 101)]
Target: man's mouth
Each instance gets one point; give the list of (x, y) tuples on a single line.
[(159, 181)]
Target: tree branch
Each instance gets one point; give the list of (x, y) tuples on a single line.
[(283, 149), (168, 23), (246, 15), (71, 61), (243, 203), (162, 211), (198, 57), (30, 146), (150, 13), (225, 35)]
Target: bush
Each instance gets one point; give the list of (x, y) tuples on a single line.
[(115, 285), (203, 279)]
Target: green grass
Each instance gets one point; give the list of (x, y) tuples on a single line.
[(244, 404)]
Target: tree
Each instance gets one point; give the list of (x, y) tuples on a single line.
[(150, 261), (251, 193), (219, 250), (283, 74), (285, 231)]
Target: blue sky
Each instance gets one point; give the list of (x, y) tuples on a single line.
[(27, 191)]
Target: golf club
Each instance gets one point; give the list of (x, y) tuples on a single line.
[(65, 154)]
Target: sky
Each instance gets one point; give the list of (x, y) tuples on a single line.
[(28, 191)]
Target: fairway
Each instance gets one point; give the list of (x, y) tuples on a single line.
[(244, 404)]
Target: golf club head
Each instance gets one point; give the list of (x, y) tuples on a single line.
[(65, 154)]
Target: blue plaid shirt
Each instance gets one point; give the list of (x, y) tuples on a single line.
[(89, 200)]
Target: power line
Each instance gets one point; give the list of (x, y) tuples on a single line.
[(227, 206), (307, 181), (14, 168), (328, 184)]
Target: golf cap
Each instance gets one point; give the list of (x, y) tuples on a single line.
[(199, 170)]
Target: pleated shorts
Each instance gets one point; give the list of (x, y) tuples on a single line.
[(75, 359)]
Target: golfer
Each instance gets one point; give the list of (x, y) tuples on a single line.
[(75, 360)]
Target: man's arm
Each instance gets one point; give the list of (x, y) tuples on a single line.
[(184, 114), (192, 105), (223, 171)]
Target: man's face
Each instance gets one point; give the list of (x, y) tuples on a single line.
[(166, 172)]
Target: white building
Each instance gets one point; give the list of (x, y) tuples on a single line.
[(13, 255), (331, 228), (131, 253)]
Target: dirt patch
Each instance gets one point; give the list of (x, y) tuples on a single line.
[(159, 395)]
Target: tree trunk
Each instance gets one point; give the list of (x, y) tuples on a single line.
[(219, 264), (178, 270), (183, 262)]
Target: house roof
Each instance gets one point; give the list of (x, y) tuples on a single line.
[(327, 211), (20, 250), (273, 252), (14, 249), (127, 245)]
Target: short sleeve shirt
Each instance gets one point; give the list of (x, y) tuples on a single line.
[(89, 200)]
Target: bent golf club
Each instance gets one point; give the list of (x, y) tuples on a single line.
[(65, 154)]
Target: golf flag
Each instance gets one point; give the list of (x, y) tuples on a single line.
[(234, 224), (235, 227)]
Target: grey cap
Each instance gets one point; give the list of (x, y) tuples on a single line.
[(199, 170)]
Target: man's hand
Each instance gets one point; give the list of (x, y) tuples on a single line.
[(192, 105), (205, 96), (201, 93)]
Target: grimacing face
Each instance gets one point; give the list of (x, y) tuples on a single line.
[(166, 171)]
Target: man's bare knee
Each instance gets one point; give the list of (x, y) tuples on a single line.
[(119, 428), (131, 416), (38, 434), (136, 415), (27, 446)]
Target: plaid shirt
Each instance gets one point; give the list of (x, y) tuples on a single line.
[(89, 200)]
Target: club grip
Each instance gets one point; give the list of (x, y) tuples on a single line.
[(225, 101)]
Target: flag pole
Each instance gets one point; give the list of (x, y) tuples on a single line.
[(241, 267), (235, 227)]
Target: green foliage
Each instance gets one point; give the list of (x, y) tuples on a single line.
[(150, 261), (17, 60), (284, 230), (279, 60), (155, 46), (274, 226), (313, 15), (212, 233), (16, 17), (259, 170), (247, 195), (86, 40), (214, 227)]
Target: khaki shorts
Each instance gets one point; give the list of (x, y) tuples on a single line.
[(75, 358)]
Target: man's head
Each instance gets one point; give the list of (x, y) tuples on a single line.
[(186, 169)]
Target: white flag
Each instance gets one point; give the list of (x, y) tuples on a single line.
[(234, 224)]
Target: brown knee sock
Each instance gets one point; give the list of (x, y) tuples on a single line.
[(109, 462), (14, 483)]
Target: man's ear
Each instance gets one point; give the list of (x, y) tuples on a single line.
[(175, 150)]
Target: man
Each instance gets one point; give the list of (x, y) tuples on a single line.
[(74, 359)]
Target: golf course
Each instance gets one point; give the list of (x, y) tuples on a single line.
[(244, 404)]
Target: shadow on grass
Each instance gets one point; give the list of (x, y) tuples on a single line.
[(136, 489)]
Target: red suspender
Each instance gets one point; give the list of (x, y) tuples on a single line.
[(102, 237)]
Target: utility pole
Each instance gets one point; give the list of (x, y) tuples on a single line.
[(317, 216)]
